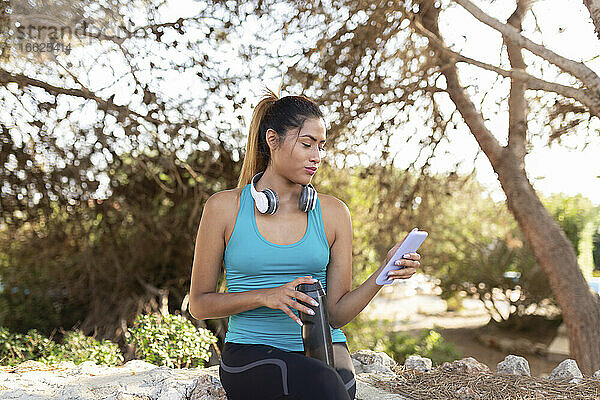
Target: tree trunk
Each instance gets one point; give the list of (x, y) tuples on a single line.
[(551, 247), (555, 254)]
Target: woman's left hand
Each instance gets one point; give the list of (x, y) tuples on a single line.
[(410, 261)]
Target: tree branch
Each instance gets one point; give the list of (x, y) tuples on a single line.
[(533, 83), (577, 69), (24, 80), (517, 105), (473, 118)]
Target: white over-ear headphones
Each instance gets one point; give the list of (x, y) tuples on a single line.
[(266, 201)]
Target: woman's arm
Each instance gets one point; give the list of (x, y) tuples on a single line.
[(344, 304), (208, 258), (219, 305)]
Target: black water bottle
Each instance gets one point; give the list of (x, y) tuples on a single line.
[(316, 333)]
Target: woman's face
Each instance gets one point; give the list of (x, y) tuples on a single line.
[(293, 156)]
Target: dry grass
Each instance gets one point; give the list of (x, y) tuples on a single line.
[(444, 384)]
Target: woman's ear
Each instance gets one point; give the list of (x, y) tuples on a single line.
[(272, 139)]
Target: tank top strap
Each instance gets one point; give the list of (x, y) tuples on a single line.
[(318, 224), (246, 205)]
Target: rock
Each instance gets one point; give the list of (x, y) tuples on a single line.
[(376, 362), (366, 391), (468, 365), (137, 380), (122, 396), (208, 386), (138, 365), (368, 357), (358, 366), (596, 375), (87, 367), (566, 370), (514, 365), (418, 363)]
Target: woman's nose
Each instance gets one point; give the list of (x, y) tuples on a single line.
[(315, 156)]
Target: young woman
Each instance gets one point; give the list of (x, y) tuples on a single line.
[(268, 247)]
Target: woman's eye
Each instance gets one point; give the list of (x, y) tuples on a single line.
[(308, 145)]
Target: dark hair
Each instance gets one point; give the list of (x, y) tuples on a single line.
[(279, 114)]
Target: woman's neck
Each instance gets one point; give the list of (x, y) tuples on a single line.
[(287, 192)]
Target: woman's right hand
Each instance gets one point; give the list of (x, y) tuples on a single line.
[(280, 298)]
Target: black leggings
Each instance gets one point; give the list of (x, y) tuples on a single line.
[(258, 371)]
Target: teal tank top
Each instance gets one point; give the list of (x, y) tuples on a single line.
[(252, 262)]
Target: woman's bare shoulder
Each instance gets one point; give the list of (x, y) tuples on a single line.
[(222, 208), (331, 204), (226, 198), (230, 203), (234, 196)]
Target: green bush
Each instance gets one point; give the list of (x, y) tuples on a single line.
[(379, 335), (16, 348), (170, 340), (78, 348), (364, 333), (429, 344)]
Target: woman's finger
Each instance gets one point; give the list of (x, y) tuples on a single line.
[(301, 279), (291, 314), (402, 273), (407, 263), (300, 307), (298, 295), (412, 256), (305, 298)]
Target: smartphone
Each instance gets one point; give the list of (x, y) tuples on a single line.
[(410, 244)]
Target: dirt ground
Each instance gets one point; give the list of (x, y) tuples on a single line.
[(465, 341), (471, 330)]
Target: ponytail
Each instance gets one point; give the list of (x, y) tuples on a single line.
[(255, 159)]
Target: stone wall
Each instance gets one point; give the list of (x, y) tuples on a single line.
[(139, 380)]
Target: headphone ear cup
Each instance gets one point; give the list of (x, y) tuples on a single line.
[(308, 198), (273, 201), (261, 201), (313, 197), (266, 201)]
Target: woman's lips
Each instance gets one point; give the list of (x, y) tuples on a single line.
[(310, 171)]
